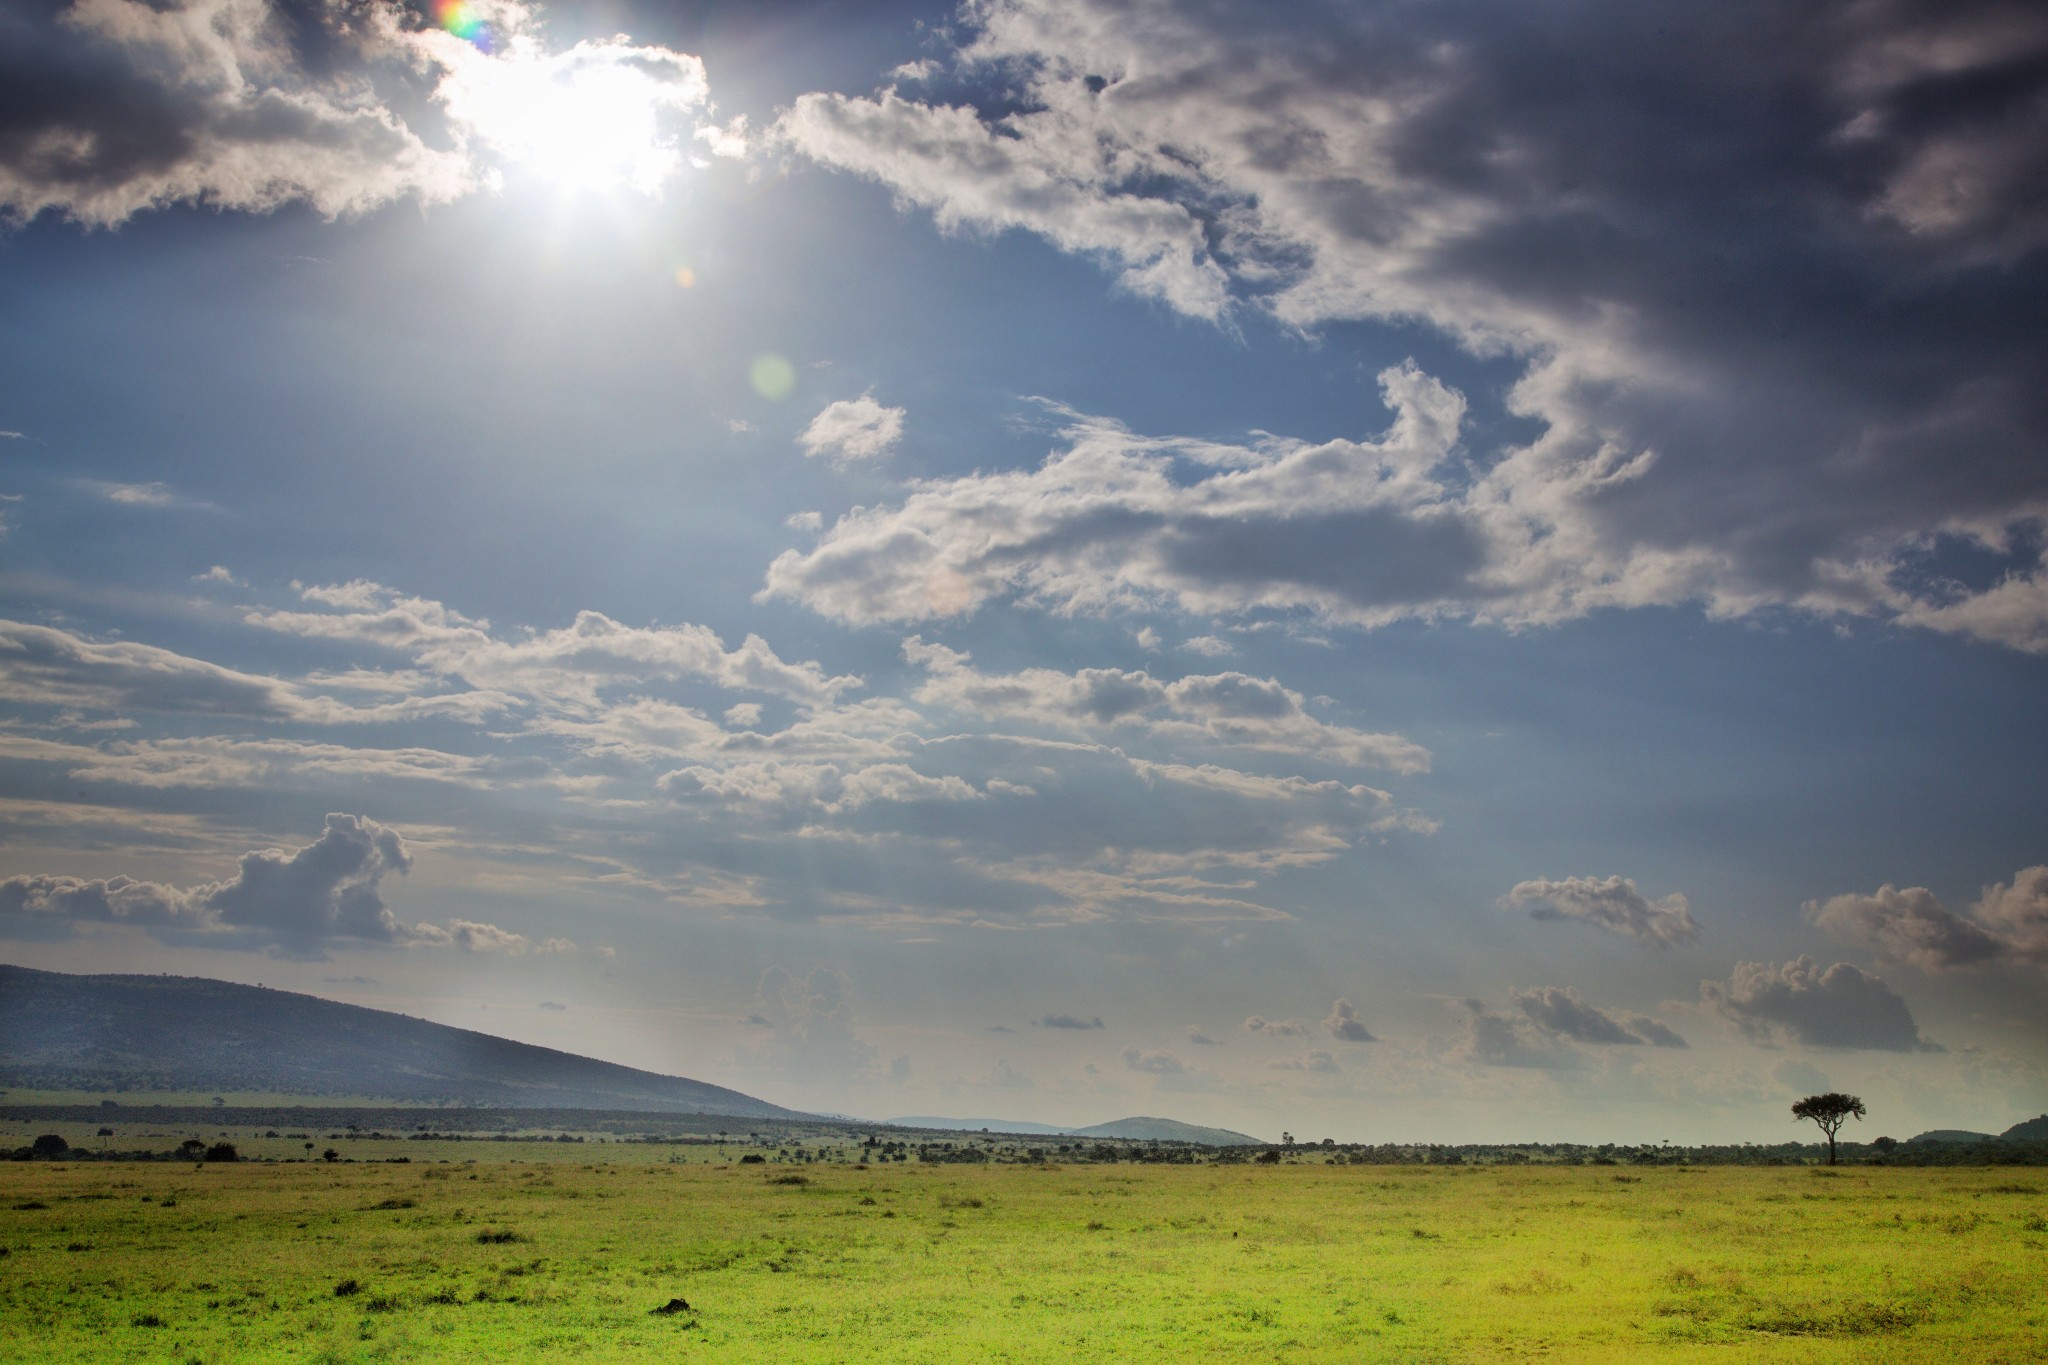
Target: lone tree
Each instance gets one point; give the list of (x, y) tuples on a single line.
[(1829, 1111)]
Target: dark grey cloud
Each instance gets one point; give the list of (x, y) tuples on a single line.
[(297, 903), (1069, 1021), (112, 107), (1492, 1039), (2008, 924), (47, 667), (1843, 1006), (1611, 903), (1775, 276), (1564, 1013), (1343, 1024)]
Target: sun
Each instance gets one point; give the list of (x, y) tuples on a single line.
[(600, 116)]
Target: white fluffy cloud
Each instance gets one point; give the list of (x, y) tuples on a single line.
[(1359, 531), (1799, 421), (345, 105), (2009, 923), (1611, 903), (853, 429), (1843, 1006)]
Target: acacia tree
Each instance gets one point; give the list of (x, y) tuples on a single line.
[(1829, 1111)]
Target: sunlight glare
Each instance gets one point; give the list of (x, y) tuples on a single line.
[(600, 116)]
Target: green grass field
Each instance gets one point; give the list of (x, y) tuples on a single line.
[(504, 1261)]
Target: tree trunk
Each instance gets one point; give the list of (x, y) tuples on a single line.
[(1831, 1149)]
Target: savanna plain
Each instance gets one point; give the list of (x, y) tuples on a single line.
[(498, 1259)]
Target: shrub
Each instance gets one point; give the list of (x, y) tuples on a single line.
[(50, 1145), (223, 1151)]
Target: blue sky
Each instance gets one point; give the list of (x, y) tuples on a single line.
[(1414, 573)]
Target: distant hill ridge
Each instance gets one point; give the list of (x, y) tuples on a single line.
[(64, 1032), (1140, 1129), (2031, 1130)]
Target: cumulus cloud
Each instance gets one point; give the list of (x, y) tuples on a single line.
[(293, 903), (2008, 923), (1276, 1028), (1350, 530), (1843, 1007), (1707, 433), (1069, 1021), (1492, 1039), (1611, 903), (853, 429), (1344, 1024), (1200, 1039), (1229, 710), (1565, 1014), (1152, 1063), (119, 106)]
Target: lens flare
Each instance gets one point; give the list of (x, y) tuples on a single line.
[(464, 21), (772, 376), (686, 277)]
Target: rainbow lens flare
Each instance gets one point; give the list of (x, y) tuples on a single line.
[(464, 20)]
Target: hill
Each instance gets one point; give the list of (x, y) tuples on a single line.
[(2033, 1130), (1952, 1135), (1130, 1130), (113, 1033), (1167, 1130)]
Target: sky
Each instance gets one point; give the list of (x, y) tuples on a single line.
[(1404, 572)]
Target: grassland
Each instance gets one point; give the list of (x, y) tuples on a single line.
[(505, 1261)]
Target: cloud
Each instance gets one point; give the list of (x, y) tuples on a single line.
[(43, 666), (137, 494), (1565, 1014), (1152, 1063), (567, 668), (1199, 1038), (1276, 1028), (1069, 1021), (1491, 1039), (1209, 646), (1913, 927), (1344, 1024), (294, 903), (1228, 710), (1317, 1061), (1612, 903), (812, 1027), (1778, 428), (120, 106), (1356, 531), (1843, 1007), (853, 429)]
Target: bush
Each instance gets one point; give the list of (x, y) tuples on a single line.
[(223, 1151), (51, 1145)]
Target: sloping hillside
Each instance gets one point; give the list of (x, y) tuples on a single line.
[(59, 1031)]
